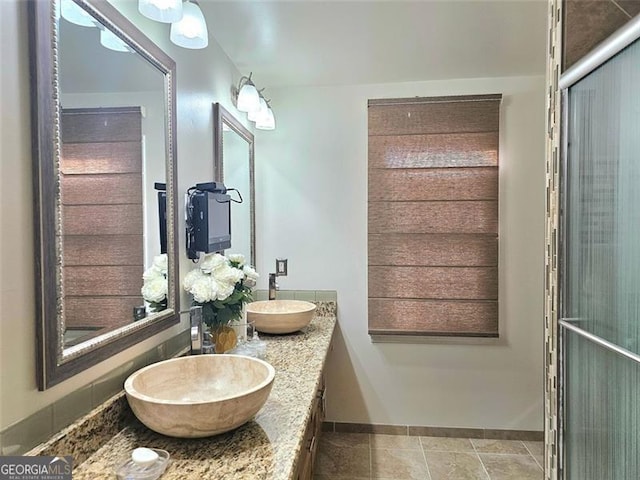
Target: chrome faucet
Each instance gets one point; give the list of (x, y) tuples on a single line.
[(273, 286), (195, 315)]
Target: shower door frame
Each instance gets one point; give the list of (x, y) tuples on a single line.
[(613, 45)]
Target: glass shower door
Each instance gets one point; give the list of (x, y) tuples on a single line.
[(600, 273)]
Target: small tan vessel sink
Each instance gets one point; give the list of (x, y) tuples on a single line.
[(200, 395), (280, 316)]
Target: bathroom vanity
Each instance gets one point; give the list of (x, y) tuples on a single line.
[(280, 443)]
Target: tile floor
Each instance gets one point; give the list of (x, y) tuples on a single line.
[(357, 456)]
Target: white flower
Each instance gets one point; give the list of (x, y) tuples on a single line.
[(151, 273), (224, 290), (158, 269), (217, 277), (154, 290), (204, 290), (190, 278), (227, 274), (250, 276), (237, 258), (160, 263), (212, 261), (250, 273)]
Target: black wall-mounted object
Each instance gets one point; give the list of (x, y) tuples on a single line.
[(208, 219), (162, 214)]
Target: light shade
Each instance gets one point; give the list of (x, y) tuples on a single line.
[(110, 40), (191, 31), (167, 11), (267, 122), (73, 13), (260, 112), (248, 98)]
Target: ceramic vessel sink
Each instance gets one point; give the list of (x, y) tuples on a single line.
[(200, 395), (280, 316)]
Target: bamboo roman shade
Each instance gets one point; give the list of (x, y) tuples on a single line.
[(433, 216), (102, 215)]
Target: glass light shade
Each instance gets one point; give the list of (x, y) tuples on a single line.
[(191, 31), (166, 11), (248, 98), (73, 13), (260, 112), (110, 40), (267, 122)]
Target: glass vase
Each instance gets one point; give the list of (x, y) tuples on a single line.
[(223, 338)]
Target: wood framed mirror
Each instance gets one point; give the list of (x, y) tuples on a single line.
[(234, 166), (104, 172)]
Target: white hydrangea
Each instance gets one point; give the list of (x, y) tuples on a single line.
[(237, 258), (160, 263), (190, 278), (205, 289), (224, 290), (213, 261), (155, 289), (217, 277), (251, 276), (229, 275)]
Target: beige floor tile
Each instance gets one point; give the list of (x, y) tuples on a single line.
[(455, 466), (514, 447), (403, 442), (511, 467), (535, 448), (340, 439), (335, 460), (443, 444), (398, 464)]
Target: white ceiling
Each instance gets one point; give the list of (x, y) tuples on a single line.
[(335, 42)]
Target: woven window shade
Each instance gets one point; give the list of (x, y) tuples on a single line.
[(433, 216)]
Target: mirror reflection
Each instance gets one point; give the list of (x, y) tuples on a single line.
[(112, 155), (104, 127), (234, 167)]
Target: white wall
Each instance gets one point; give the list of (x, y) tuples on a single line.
[(311, 208), (311, 180), (203, 77)]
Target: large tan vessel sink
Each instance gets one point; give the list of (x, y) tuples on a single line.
[(200, 395), (280, 316)]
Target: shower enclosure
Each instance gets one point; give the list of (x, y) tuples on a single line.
[(599, 270)]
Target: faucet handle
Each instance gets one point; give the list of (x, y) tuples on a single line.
[(195, 316)]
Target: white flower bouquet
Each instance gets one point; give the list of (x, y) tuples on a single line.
[(154, 286), (221, 285)]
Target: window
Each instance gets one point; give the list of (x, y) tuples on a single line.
[(433, 216)]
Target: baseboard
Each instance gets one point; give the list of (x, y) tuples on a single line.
[(487, 433)]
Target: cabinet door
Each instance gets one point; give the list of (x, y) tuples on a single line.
[(305, 462)]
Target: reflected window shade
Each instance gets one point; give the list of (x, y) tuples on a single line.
[(102, 215), (433, 216)]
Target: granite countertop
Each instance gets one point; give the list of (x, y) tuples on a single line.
[(264, 448)]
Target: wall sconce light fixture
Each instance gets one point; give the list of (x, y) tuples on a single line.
[(266, 121), (166, 11), (249, 99), (191, 30)]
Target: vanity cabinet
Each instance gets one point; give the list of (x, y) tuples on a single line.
[(311, 439)]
